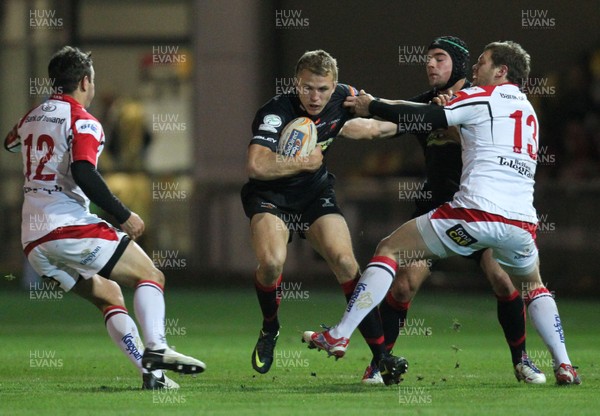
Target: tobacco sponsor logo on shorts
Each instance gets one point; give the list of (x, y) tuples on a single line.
[(460, 236)]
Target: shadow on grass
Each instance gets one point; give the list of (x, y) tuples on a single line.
[(102, 389)]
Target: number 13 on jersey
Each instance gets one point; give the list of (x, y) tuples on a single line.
[(532, 141)]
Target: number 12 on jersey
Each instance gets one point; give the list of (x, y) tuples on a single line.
[(43, 141)]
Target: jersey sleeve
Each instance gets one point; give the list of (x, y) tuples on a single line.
[(348, 90), (468, 106), (268, 125), (88, 137)]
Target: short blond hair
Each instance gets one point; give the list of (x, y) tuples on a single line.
[(318, 62)]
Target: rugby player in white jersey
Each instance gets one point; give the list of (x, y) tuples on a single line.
[(66, 244), (492, 209)]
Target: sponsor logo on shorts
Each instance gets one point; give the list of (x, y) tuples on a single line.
[(327, 202), (89, 256), (522, 256), (460, 236), (268, 205)]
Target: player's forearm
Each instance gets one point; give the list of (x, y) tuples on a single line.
[(91, 183), (272, 166), (367, 129), (393, 102), (410, 116)]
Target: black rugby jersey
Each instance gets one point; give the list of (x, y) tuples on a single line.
[(443, 161), (273, 116)]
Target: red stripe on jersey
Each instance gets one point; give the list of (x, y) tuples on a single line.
[(474, 215), (461, 95), (99, 230)]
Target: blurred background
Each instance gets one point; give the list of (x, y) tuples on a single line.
[(178, 83)]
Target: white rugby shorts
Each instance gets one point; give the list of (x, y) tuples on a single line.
[(449, 230), (69, 252)]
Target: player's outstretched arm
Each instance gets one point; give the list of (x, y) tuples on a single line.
[(433, 116), (264, 164), (367, 129)]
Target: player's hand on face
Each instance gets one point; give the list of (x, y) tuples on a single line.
[(361, 105), (134, 226), (442, 99)]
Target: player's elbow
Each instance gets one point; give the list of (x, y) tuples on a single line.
[(257, 164)]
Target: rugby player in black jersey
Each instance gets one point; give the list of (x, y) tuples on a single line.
[(296, 195), (448, 60)]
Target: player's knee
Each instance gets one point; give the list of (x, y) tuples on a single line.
[(152, 274), (271, 266), (114, 295), (346, 266), (402, 291), (385, 248), (158, 276)]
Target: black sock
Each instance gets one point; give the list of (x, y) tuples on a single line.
[(269, 299), (511, 315), (370, 327), (393, 317)]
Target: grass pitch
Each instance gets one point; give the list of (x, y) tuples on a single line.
[(59, 360)]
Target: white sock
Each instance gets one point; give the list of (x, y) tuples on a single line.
[(370, 291), (544, 316), (124, 333), (149, 304)]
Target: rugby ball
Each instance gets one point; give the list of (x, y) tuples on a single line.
[(12, 142), (298, 138)]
